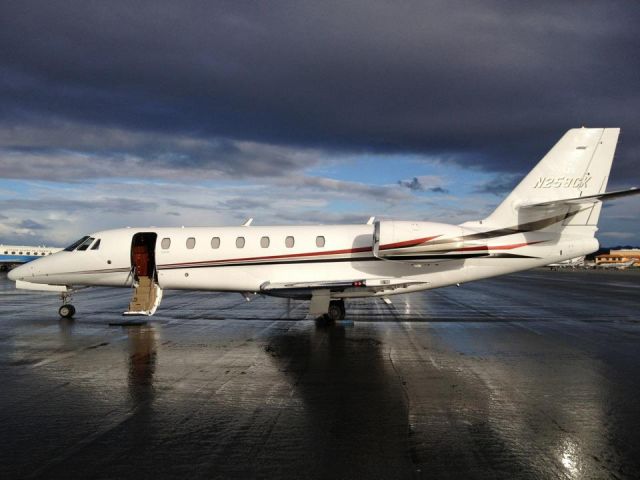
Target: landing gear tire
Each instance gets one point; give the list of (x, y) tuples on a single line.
[(336, 311), (67, 311)]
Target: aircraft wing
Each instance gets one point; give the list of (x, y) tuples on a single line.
[(306, 289), (586, 199)]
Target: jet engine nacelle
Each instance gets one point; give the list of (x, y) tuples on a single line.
[(423, 241)]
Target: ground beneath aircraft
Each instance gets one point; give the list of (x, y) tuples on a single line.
[(533, 375)]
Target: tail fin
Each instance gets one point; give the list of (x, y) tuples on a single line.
[(577, 166)]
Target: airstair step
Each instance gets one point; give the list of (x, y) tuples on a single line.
[(144, 295)]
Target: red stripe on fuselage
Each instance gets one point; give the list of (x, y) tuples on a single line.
[(275, 257), (497, 247), (407, 243)]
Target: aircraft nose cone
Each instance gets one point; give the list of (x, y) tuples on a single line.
[(17, 273)]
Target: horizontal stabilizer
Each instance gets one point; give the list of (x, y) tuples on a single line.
[(582, 200)]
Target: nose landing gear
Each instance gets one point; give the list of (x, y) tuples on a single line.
[(66, 310)]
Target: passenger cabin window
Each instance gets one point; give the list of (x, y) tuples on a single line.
[(165, 243), (84, 245), (215, 242), (75, 244), (289, 242), (96, 245), (320, 241), (191, 242), (240, 242), (264, 242)]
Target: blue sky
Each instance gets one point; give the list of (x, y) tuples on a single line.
[(206, 113)]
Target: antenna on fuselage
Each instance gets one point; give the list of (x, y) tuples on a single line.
[(371, 220), (248, 222)]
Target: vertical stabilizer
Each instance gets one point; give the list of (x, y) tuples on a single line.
[(577, 166)]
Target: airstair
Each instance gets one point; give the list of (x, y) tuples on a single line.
[(146, 297)]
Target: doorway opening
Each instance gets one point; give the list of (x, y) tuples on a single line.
[(143, 255), (147, 293)]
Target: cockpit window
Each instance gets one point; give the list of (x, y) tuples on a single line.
[(96, 245), (84, 245), (75, 244)]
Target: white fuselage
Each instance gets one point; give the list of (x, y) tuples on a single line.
[(320, 253)]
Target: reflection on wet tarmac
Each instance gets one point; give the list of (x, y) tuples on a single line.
[(142, 358), (493, 380)]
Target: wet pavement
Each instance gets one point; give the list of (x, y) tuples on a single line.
[(533, 375)]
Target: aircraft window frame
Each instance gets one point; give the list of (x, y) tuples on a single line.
[(240, 242), (165, 243), (76, 244), (96, 245), (321, 241), (215, 242), (290, 241), (265, 242), (85, 245), (190, 243)]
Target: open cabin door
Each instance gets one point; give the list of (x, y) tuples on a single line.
[(147, 294)]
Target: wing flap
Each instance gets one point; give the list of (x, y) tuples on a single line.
[(307, 288)]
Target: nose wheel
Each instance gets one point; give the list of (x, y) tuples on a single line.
[(66, 310)]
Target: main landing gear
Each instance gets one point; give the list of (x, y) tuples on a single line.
[(66, 310), (336, 311)]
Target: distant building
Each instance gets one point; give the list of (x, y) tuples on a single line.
[(620, 256)]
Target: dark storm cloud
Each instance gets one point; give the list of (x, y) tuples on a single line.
[(106, 205), (31, 225), (498, 80), (416, 185), (314, 217), (68, 151), (501, 185)]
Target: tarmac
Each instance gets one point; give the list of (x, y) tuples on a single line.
[(532, 375)]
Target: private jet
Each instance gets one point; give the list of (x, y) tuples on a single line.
[(17, 254), (551, 216), (616, 265), (571, 263)]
